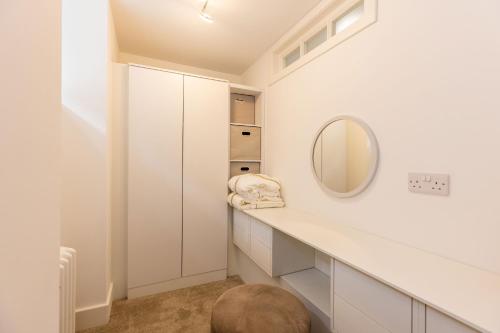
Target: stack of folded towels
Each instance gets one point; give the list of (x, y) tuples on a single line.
[(251, 191)]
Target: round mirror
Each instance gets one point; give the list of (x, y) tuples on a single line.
[(345, 156)]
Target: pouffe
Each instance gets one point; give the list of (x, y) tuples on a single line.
[(258, 308)]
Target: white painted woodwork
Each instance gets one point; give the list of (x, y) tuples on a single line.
[(154, 176), (274, 252), (348, 319), (322, 262), (472, 296), (437, 322), (418, 324), (183, 282), (205, 173), (314, 285), (261, 254), (332, 292), (262, 232), (237, 88), (386, 306), (241, 231)]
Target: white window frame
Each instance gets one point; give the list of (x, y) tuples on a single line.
[(287, 51), (317, 28), (308, 27)]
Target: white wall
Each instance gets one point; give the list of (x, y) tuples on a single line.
[(119, 180), (128, 58), (425, 77), (29, 170), (88, 49)]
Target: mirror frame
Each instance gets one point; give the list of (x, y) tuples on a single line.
[(374, 158)]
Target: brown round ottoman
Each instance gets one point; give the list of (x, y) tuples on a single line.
[(258, 308)]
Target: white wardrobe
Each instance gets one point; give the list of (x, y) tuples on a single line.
[(178, 131)]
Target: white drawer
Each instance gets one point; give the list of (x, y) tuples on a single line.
[(241, 231), (262, 232), (348, 319), (437, 322), (384, 305), (261, 254), (276, 253)]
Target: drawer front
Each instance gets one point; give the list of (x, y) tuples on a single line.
[(437, 322), (245, 143), (348, 319), (261, 254), (384, 305), (241, 231), (262, 232), (242, 109), (240, 168)]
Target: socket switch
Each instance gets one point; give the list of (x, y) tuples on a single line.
[(429, 183)]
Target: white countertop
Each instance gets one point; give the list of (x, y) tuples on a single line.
[(466, 293)]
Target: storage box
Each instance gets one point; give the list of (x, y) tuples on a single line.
[(240, 168), (242, 109), (245, 143)]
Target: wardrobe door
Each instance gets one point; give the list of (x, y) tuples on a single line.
[(154, 176), (206, 170)]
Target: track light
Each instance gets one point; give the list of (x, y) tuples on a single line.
[(204, 15)]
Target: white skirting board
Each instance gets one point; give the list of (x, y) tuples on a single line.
[(96, 315), (183, 282)]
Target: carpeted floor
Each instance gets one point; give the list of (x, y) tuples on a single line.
[(184, 310)]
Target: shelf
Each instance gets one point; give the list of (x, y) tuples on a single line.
[(244, 90), (247, 125), (245, 161), (313, 285), (419, 274)]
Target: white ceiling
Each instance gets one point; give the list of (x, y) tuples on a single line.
[(172, 30)]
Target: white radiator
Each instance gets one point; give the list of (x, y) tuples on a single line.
[(67, 290)]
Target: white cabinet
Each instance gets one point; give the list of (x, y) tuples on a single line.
[(178, 161), (437, 322), (361, 300), (348, 319), (206, 169), (154, 176), (274, 252)]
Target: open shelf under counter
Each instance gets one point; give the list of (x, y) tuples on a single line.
[(313, 285)]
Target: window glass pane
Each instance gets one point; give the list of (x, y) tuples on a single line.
[(316, 40), (292, 57), (348, 18)]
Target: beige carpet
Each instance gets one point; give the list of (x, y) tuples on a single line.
[(185, 310)]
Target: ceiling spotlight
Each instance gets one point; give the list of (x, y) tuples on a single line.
[(204, 15)]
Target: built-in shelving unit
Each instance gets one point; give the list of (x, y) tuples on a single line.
[(246, 130), (247, 125), (313, 285)]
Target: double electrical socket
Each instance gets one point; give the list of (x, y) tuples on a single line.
[(429, 183)]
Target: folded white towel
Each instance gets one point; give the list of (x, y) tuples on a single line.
[(241, 203), (255, 186)]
